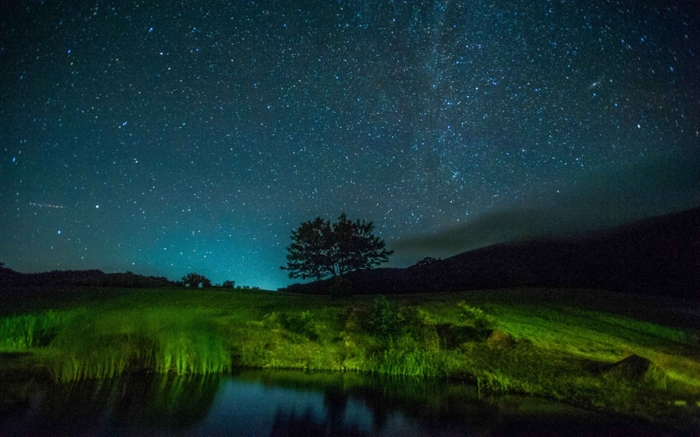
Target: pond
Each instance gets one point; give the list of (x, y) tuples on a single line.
[(263, 403)]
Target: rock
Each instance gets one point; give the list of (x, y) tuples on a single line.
[(500, 340), (638, 369)]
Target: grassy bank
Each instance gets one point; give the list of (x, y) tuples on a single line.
[(559, 344)]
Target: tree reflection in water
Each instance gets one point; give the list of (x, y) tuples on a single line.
[(287, 403)]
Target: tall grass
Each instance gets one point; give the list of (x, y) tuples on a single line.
[(407, 358), (160, 340), (493, 382), (17, 334), (415, 363), (186, 351)]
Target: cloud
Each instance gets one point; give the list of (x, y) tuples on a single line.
[(604, 199)]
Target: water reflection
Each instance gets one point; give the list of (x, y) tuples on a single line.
[(287, 403), (100, 407)]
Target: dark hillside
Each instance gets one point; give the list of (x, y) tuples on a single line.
[(659, 256), (80, 278)]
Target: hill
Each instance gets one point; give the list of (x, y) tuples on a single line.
[(80, 278), (657, 256)]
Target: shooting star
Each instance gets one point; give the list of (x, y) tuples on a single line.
[(46, 205)]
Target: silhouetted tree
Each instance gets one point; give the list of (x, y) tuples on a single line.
[(194, 280), (320, 248), (428, 262)]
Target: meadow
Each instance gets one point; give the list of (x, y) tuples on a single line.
[(567, 345)]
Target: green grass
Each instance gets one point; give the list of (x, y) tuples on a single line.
[(28, 331), (406, 357), (163, 339), (555, 344)]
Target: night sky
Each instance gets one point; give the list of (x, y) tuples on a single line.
[(164, 137)]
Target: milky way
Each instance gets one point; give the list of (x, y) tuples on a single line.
[(194, 136)]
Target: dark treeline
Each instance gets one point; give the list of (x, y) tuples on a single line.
[(81, 278), (659, 256)]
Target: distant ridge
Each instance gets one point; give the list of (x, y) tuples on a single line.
[(657, 256), (80, 278)]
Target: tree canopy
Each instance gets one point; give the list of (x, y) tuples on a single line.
[(320, 248), (194, 280)]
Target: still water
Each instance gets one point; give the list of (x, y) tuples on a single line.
[(279, 403)]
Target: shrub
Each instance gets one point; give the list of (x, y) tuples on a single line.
[(385, 321), (382, 318), (194, 280), (476, 317), (300, 324)]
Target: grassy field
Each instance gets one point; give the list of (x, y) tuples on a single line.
[(559, 344)]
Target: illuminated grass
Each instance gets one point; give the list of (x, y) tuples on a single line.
[(560, 325), (160, 339), (408, 358), (557, 350), (27, 331)]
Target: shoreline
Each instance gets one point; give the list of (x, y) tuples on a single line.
[(503, 341)]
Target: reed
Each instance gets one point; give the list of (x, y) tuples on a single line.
[(414, 363), (23, 332), (191, 351), (163, 341), (407, 358)]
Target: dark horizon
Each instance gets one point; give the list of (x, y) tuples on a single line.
[(654, 256)]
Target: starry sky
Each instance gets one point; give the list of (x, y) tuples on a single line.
[(164, 137)]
